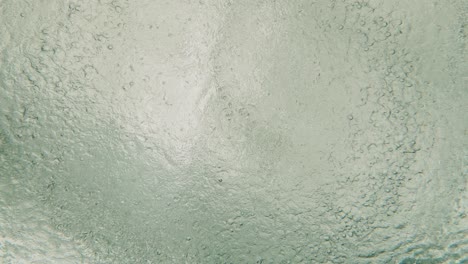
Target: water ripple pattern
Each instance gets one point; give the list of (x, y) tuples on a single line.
[(222, 131)]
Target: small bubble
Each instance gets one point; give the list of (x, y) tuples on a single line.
[(350, 117), (110, 47), (22, 15), (45, 48), (340, 27)]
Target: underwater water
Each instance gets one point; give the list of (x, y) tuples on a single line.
[(233, 131)]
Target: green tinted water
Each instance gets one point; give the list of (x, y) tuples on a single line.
[(233, 131)]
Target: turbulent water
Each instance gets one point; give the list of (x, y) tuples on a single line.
[(223, 131)]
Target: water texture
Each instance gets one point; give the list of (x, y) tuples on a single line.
[(233, 131)]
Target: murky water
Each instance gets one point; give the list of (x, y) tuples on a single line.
[(221, 131)]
